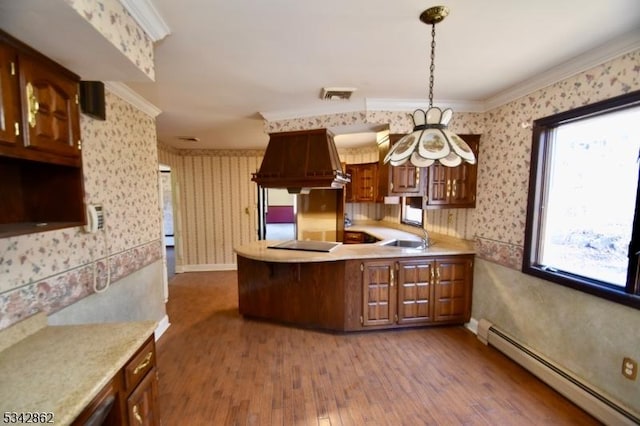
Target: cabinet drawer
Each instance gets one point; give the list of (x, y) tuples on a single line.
[(141, 405), (142, 362)]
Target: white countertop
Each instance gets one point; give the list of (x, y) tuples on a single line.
[(441, 245), (60, 369)]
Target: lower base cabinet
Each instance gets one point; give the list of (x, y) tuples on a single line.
[(422, 291), (130, 398), (141, 404), (354, 295)]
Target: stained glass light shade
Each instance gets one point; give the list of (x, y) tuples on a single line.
[(431, 141)]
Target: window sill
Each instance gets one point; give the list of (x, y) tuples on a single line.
[(604, 291)]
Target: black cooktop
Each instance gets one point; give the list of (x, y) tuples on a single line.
[(305, 245)]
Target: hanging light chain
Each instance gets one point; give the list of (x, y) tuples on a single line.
[(432, 68)]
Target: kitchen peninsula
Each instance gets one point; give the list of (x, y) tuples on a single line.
[(358, 286)]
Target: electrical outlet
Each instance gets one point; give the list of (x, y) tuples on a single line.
[(629, 368)]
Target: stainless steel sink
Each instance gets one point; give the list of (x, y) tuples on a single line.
[(405, 243)]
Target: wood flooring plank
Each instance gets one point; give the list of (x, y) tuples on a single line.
[(217, 368)]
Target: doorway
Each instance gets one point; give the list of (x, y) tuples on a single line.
[(276, 214), (166, 193)]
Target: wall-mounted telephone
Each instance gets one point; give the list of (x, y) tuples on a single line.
[(95, 218)]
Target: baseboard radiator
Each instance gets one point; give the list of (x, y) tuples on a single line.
[(593, 402)]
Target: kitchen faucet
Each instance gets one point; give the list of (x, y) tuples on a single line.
[(426, 242)]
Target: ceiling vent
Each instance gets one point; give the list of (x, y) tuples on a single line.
[(337, 93)]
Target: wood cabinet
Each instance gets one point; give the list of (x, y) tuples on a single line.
[(404, 180), (453, 187), (141, 386), (419, 291), (363, 187), (378, 293), (130, 398), (41, 181), (433, 187), (9, 96), (415, 288), (50, 117), (352, 295)]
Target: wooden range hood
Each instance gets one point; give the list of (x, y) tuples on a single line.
[(300, 161)]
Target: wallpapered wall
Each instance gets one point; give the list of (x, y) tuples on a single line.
[(585, 334), (50, 270), (214, 192), (114, 23), (216, 201)]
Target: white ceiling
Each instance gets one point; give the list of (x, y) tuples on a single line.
[(229, 63)]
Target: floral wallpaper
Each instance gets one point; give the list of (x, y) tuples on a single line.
[(497, 223), (115, 23), (399, 122), (503, 172), (50, 270)]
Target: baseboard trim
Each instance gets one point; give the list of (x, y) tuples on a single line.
[(207, 267), (162, 326), (472, 326), (583, 394)]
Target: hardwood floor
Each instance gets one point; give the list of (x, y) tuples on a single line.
[(217, 368)]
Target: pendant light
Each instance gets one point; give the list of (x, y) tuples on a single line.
[(431, 141)]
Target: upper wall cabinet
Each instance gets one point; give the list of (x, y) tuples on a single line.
[(40, 119), (434, 187), (453, 187), (49, 108), (40, 163), (363, 187), (404, 180), (9, 98)]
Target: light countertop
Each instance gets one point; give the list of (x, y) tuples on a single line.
[(441, 245), (60, 369)]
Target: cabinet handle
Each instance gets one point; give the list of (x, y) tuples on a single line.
[(391, 272), (16, 126), (136, 414), (438, 275), (448, 188), (453, 192), (145, 362), (433, 275), (32, 105)]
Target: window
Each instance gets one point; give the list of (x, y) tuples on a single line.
[(583, 221), (412, 211)]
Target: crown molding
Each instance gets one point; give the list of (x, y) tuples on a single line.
[(371, 104), (408, 105), (331, 107), (125, 93), (594, 57), (148, 17)]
